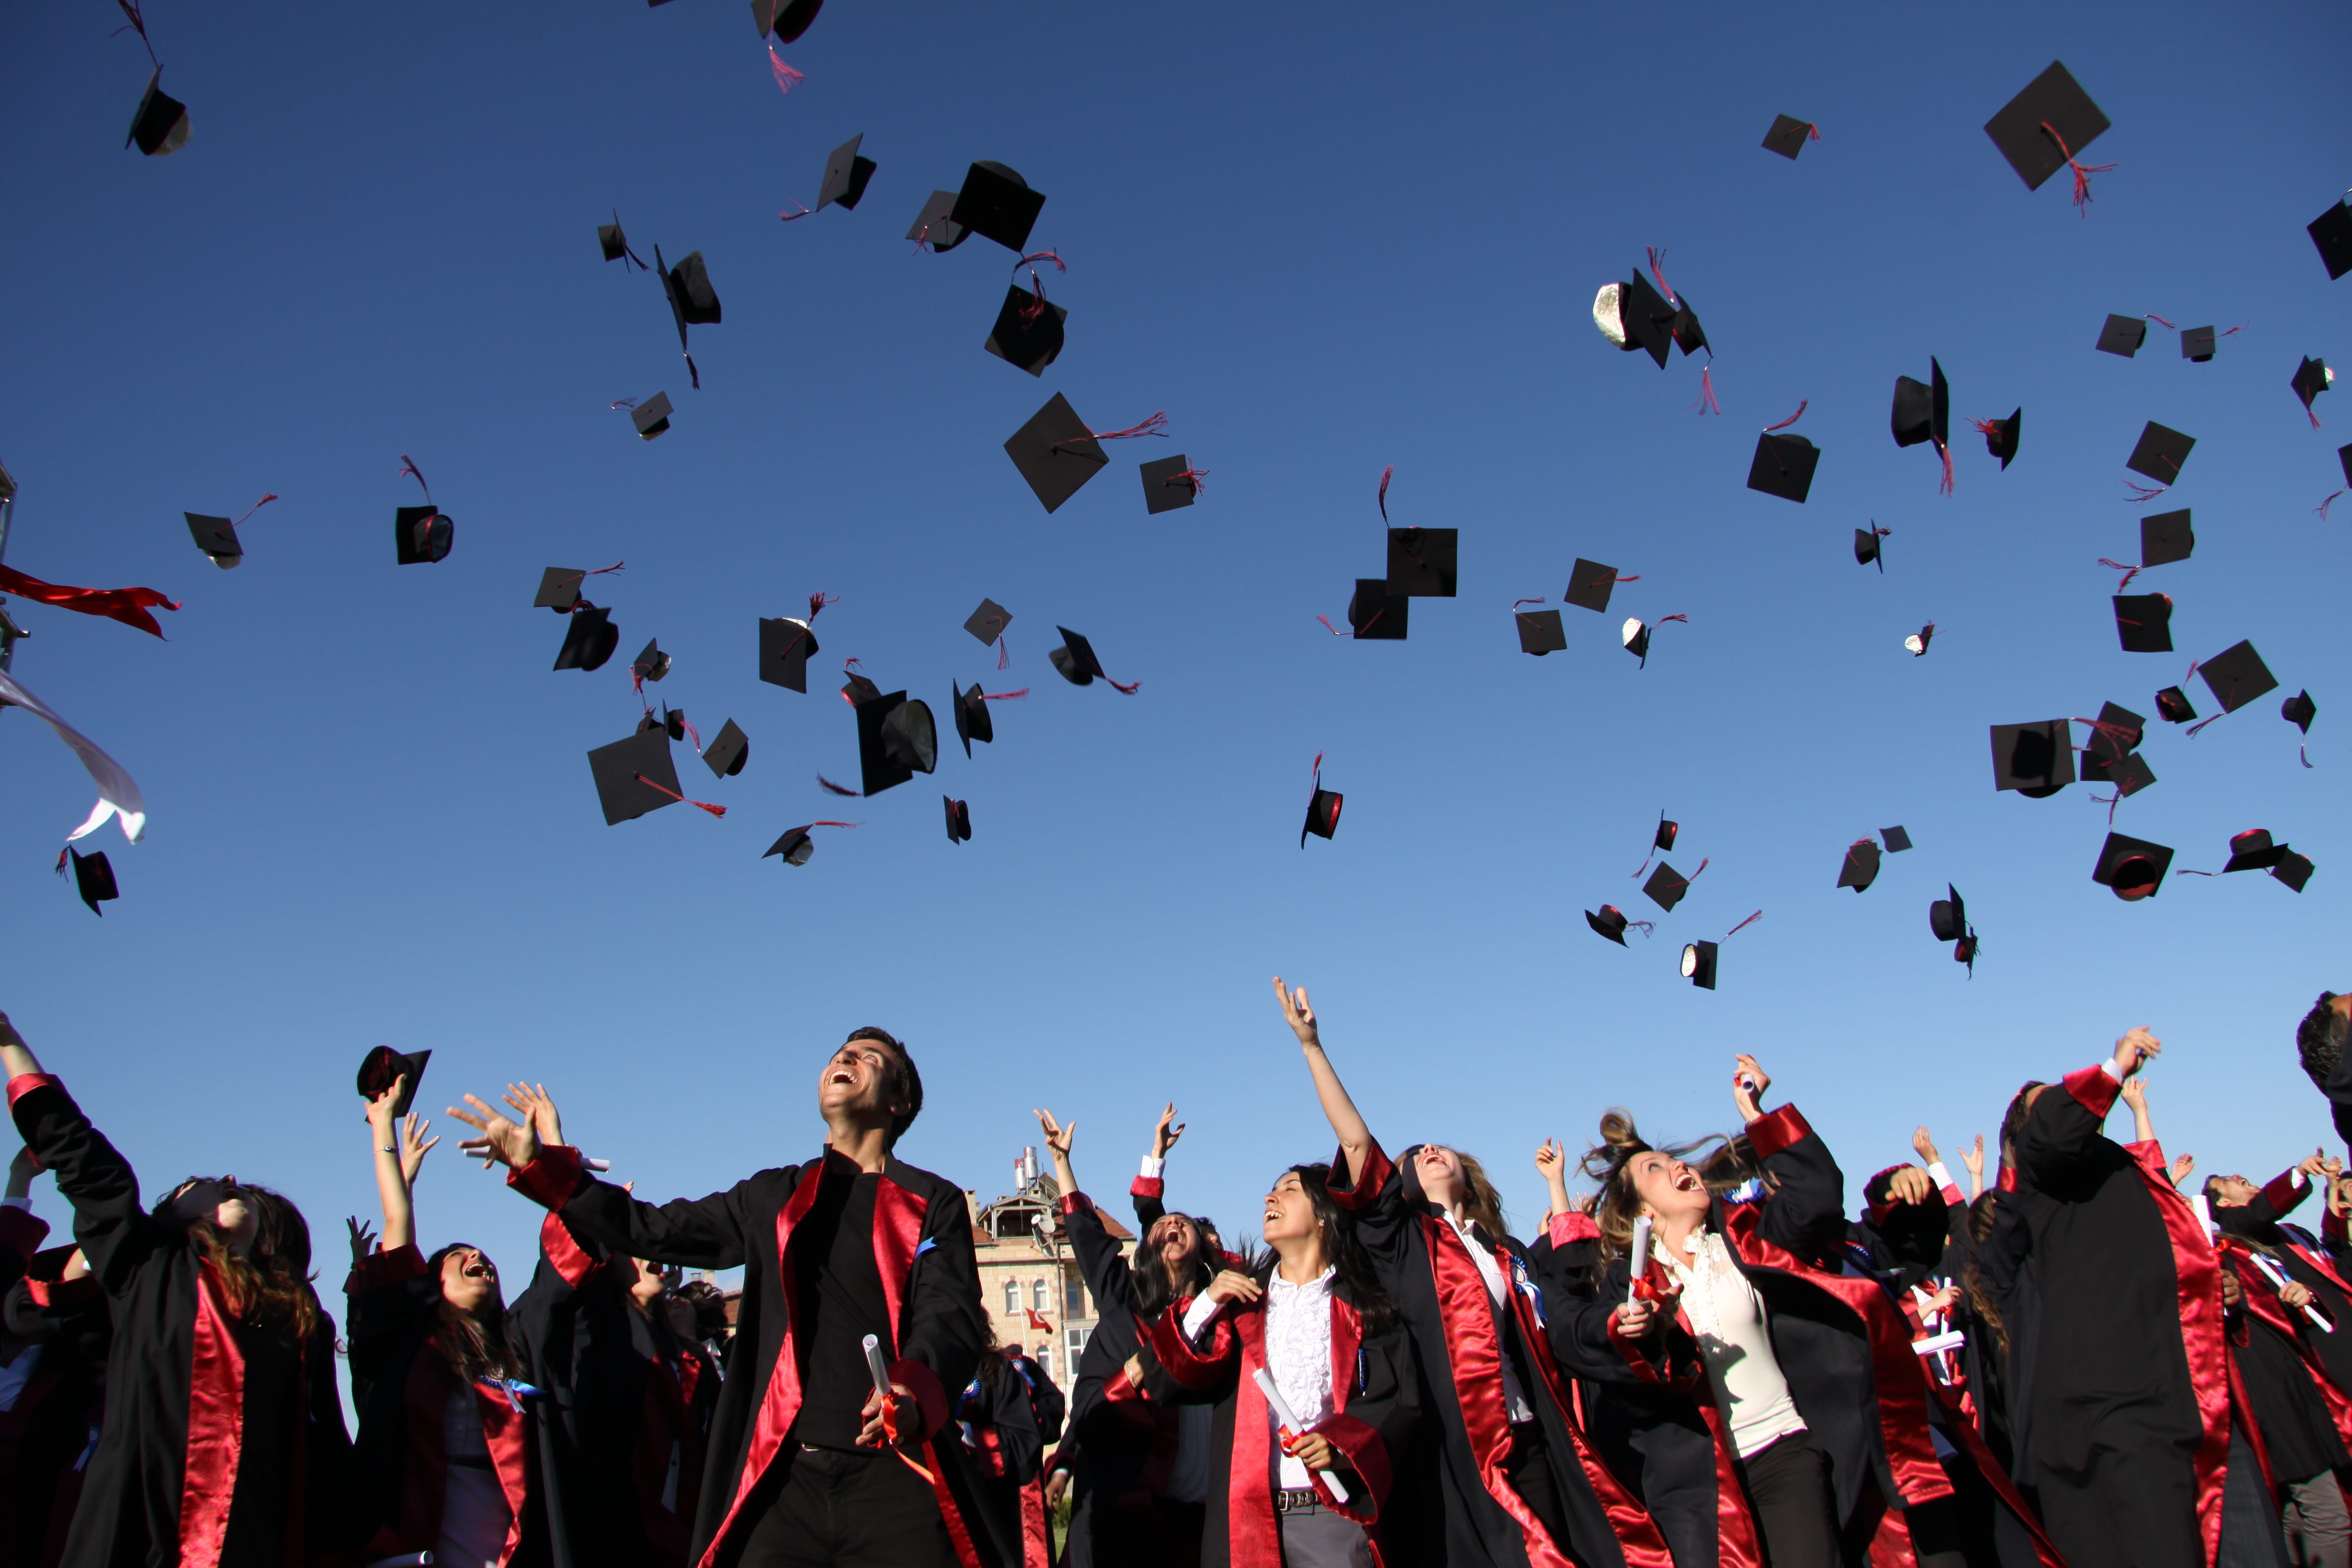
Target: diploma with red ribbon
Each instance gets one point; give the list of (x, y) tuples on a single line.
[(889, 1396)]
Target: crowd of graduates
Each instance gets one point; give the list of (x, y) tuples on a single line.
[(1707, 1358)]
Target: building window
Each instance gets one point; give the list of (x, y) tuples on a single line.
[(1074, 1344), (1011, 1298), (1074, 1296), (1037, 1297)]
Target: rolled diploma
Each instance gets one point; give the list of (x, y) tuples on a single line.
[(2278, 1276), (1282, 1415), (875, 1364), (1950, 1340), (1640, 1256)]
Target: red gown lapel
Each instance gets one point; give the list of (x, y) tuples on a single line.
[(898, 1235), (2197, 1273), (215, 1428)]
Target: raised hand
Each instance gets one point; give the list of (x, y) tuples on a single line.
[(2133, 1051), (22, 1169), (501, 1140), (1943, 1300), (363, 1240), (379, 1109), (532, 1100), (1974, 1160), (1551, 1160), (2136, 1093), (1164, 1135), (1924, 1145), (414, 1146), (1749, 1082), (1297, 1012), (1909, 1184), (2316, 1167), (1057, 1136), (2181, 1166)]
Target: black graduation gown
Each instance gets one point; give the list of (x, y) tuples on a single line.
[(1044, 1395), (2129, 1405), (1121, 1439), (628, 1401), (1460, 1340), (401, 1386), (1008, 1454), (2308, 1261), (222, 1445), (930, 1283), (1376, 1405), (48, 1428)]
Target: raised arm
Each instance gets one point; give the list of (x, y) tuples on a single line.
[(1355, 1137), (399, 1154), (2064, 1123), (1150, 1190), (109, 1222), (1974, 1160), (1804, 1203), (2135, 1093), (1551, 1161)]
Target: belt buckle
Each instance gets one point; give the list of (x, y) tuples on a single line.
[(1290, 1499)]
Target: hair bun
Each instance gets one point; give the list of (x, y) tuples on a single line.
[(1617, 1130)]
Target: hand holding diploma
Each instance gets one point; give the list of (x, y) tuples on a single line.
[(1310, 1448)]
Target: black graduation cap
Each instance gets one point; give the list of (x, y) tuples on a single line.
[(996, 204), (1918, 641), (1783, 465), (216, 537), (2343, 458), (1649, 321), (1028, 331), (161, 125), (2332, 232), (588, 640), (897, 739), (785, 647), (1664, 837), (2236, 676), (1322, 811), (1947, 917), (2035, 760), (973, 722), (2123, 335), (1865, 546), (845, 175), (1610, 922), (2044, 126), (1421, 562), (2253, 851), (1077, 661), (652, 416), (2299, 711), (613, 242), (692, 300), (728, 751), (1169, 483), (2144, 622), (2133, 868), (93, 878), (2159, 453), (2116, 735), (623, 793), (384, 1067), (1860, 868), (2294, 869), (2173, 706), (795, 846), (1055, 452), (2000, 435), (1376, 615), (1896, 840), (651, 664), (932, 226), (1590, 583), (559, 589), (1787, 136), (2311, 377), (788, 19), (857, 688), (1698, 964), (1688, 332), (2197, 343), (2166, 537), (959, 820), (2129, 776), (988, 622), (1637, 638), (1540, 632), (1923, 412), (422, 534), (1666, 887)]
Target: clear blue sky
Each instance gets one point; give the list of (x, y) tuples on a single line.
[(1324, 240)]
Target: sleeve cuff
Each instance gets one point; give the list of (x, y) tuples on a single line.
[(1076, 1202), (2286, 1190), (1941, 1174), (44, 1281), (573, 1263), (552, 1179), (1369, 1180), (1777, 1130), (24, 1084), (383, 1269), (2112, 1071), (929, 1397), (1566, 1229), (1154, 1168), (1188, 1366), (1148, 1186), (1367, 1456), (1199, 1316), (2095, 1089)]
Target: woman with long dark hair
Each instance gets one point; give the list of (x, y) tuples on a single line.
[(1776, 1403), (1007, 1450), (1310, 1318), (1518, 1480), (1138, 1465), (223, 1444), (446, 1442)]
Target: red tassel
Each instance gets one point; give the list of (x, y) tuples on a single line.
[(1986, 426), (793, 218), (1036, 306), (1003, 652), (1945, 453), (1004, 696), (1191, 477), (1751, 920), (2129, 572), (1123, 687), (1385, 474), (818, 601), (2322, 507), (713, 810), (2202, 722), (1706, 403), (600, 571), (694, 732), (408, 466), (1155, 426), (2141, 493), (1813, 132), (1516, 603), (787, 78), (264, 501), (61, 860), (835, 788), (1662, 620), (2161, 321), (1656, 256), (1792, 419), (2082, 176)]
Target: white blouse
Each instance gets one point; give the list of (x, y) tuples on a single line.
[(1736, 1342)]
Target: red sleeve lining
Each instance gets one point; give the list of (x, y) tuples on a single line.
[(1076, 1202), (2282, 1194), (573, 1263), (1566, 1229), (383, 1269), (552, 1179), (2094, 1089), (1776, 1131), (1148, 1187), (24, 1084), (1369, 1180)]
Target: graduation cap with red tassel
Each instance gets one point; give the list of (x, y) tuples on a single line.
[(1322, 808)]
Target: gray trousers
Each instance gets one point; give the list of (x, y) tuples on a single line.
[(2318, 1528), (1318, 1537)]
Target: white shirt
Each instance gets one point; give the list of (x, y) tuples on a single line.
[(1298, 1356), (1736, 1342), (1515, 1398)]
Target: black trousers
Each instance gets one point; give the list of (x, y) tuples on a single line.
[(1528, 1466), (835, 1508), (1796, 1512)]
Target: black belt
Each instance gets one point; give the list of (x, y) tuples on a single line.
[(1296, 1499)]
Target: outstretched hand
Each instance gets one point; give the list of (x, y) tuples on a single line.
[(1057, 1136), (1974, 1159), (1749, 1082), (2133, 1051), (1164, 1134), (414, 1146), (2181, 1166), (379, 1107), (2136, 1093), (1551, 1161), (1297, 1012), (501, 1140), (1923, 1144), (363, 1240), (532, 1100)]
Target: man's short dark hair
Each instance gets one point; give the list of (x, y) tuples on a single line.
[(2319, 1038), (906, 1082)]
